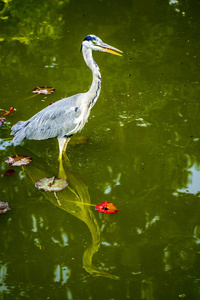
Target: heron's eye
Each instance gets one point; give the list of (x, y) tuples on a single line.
[(95, 43)]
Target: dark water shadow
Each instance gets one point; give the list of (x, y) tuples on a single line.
[(71, 199)]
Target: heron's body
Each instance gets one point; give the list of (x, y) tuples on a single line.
[(67, 116)]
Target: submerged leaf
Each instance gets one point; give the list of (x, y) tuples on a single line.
[(79, 140), (9, 172), (3, 207), (44, 90), (51, 184), (18, 160), (106, 207)]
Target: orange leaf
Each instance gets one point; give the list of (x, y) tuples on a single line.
[(8, 112)]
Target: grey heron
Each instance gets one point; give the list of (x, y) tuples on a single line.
[(67, 116)]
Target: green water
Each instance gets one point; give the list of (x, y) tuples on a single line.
[(143, 152)]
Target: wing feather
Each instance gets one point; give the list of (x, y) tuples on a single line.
[(54, 121)]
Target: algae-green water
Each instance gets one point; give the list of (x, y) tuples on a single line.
[(142, 152)]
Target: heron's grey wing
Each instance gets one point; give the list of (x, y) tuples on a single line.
[(54, 121)]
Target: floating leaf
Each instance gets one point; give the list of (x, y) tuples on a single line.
[(8, 112), (44, 90), (18, 160), (9, 172), (51, 103), (3, 207), (106, 207), (51, 184)]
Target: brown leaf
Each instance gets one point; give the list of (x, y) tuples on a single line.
[(44, 90), (18, 160)]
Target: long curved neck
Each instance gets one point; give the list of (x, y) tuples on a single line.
[(94, 91)]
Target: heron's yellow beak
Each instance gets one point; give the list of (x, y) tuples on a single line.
[(114, 51), (107, 48)]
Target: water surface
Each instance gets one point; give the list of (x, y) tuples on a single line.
[(143, 152)]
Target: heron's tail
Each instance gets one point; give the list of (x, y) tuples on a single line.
[(19, 131)]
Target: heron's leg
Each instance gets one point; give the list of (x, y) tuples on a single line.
[(65, 145), (62, 142)]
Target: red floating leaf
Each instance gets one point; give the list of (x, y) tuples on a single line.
[(44, 90), (18, 160), (106, 207), (51, 184), (8, 112), (9, 172), (3, 207)]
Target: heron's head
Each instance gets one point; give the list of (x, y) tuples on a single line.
[(95, 43)]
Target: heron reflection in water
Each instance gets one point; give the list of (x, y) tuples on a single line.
[(74, 199), (69, 115)]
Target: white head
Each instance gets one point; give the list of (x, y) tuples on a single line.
[(93, 42)]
